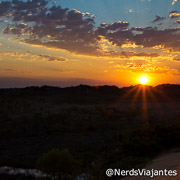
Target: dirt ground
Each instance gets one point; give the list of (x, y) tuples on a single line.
[(169, 161)]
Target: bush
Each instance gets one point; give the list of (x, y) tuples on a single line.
[(58, 163)]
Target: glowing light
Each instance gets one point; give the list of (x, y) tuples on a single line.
[(143, 80)]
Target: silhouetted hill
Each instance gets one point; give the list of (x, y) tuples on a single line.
[(85, 93)]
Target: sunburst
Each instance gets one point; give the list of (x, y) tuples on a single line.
[(143, 80)]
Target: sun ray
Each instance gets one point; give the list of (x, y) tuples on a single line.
[(144, 106), (135, 96), (127, 94)]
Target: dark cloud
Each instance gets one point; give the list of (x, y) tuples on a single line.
[(128, 54), (174, 14), (112, 31), (177, 22), (151, 37), (5, 8), (118, 37), (52, 26), (146, 37), (114, 26), (52, 58), (177, 58), (18, 29), (158, 18)]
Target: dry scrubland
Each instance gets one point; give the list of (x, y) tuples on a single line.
[(104, 126)]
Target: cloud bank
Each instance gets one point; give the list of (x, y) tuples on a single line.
[(61, 28)]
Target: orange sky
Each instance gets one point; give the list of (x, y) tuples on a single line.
[(109, 53)]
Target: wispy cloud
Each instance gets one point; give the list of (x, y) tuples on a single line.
[(174, 1), (34, 56), (129, 54), (52, 58), (131, 10), (14, 71), (8, 70), (158, 18), (145, 67)]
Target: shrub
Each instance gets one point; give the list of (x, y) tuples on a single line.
[(58, 163)]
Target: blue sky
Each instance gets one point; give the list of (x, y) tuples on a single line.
[(144, 11)]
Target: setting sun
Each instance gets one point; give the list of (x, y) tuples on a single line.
[(143, 80)]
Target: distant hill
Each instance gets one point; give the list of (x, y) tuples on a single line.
[(85, 93)]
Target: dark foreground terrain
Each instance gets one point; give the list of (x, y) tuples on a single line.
[(100, 127)]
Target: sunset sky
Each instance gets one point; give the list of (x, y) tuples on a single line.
[(71, 42)]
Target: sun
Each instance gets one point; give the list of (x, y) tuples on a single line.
[(143, 80)]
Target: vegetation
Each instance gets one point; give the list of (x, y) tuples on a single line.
[(58, 163), (70, 131)]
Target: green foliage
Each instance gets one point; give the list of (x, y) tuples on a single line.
[(58, 163), (87, 159), (149, 141)]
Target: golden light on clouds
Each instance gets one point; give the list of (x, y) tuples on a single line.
[(67, 43)]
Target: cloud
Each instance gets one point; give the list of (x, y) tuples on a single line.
[(8, 70), (152, 37), (18, 29), (55, 27), (62, 70), (174, 14), (146, 37), (145, 67), (5, 8), (145, 0), (33, 56), (129, 54), (135, 66), (116, 33), (166, 70), (3, 21), (177, 58), (177, 22), (13, 54), (174, 1), (106, 28), (15, 71), (8, 53), (52, 58), (158, 18), (131, 10), (52, 26)]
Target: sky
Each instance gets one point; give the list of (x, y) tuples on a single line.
[(71, 42)]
